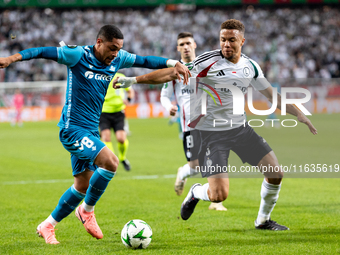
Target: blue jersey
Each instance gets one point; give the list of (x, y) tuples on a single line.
[(87, 83)]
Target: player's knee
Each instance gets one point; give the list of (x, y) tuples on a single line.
[(273, 172), (81, 187), (120, 140), (111, 163), (280, 175), (277, 174), (106, 139), (106, 135), (218, 195)]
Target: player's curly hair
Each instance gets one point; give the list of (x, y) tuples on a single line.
[(233, 24), (108, 32)]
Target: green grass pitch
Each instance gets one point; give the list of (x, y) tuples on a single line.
[(35, 171)]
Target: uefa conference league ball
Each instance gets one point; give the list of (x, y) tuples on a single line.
[(136, 234)]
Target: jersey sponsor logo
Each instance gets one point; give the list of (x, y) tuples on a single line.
[(99, 77), (89, 75), (187, 91), (246, 71)]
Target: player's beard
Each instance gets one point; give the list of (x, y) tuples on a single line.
[(230, 57)]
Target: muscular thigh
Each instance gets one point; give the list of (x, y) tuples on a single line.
[(83, 144), (250, 147), (214, 154)]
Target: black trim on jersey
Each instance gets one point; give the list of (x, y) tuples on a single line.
[(205, 55), (256, 71), (206, 58)]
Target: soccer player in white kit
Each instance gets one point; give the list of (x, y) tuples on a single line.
[(226, 65), (186, 45)]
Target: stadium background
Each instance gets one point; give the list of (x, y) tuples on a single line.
[(296, 45)]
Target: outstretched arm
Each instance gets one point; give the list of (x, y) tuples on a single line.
[(5, 62), (42, 52), (156, 77), (291, 109)]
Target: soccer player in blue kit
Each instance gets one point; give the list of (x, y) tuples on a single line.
[(90, 70)]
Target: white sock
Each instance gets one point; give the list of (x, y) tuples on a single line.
[(201, 192), (186, 172), (51, 220), (88, 208), (269, 196)]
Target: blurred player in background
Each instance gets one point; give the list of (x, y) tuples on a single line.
[(90, 70), (186, 45), (113, 116), (221, 66), (18, 102)]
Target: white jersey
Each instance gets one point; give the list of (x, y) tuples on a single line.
[(213, 72), (182, 93)]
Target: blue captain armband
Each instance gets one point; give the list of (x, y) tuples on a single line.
[(151, 62), (42, 52)]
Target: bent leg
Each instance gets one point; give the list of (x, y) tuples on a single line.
[(271, 169), (107, 164), (218, 188), (75, 194), (271, 186)]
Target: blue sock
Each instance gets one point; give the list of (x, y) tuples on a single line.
[(67, 203), (98, 183)]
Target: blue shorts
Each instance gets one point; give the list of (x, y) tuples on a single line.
[(84, 146)]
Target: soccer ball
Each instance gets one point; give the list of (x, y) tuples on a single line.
[(136, 234)]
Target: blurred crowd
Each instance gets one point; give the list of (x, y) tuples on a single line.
[(287, 42)]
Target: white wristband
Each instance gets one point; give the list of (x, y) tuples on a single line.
[(171, 63), (126, 82)]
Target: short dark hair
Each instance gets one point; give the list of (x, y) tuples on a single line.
[(233, 24), (108, 32), (184, 35)]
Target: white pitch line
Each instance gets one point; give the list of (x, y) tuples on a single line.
[(136, 177)]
